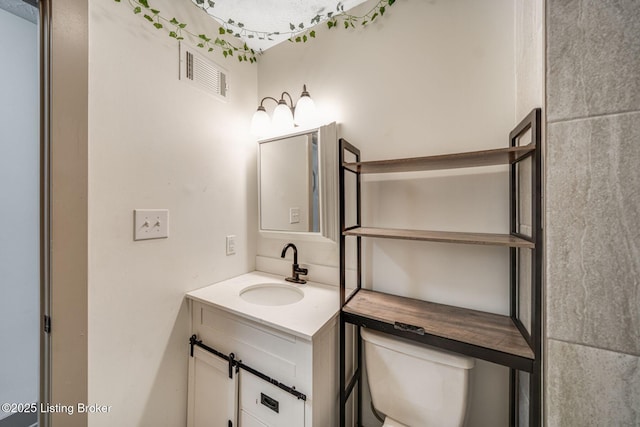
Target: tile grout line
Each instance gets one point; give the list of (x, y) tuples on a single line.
[(595, 116), (593, 346)]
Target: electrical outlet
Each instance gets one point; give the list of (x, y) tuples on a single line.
[(294, 215), (150, 224), (231, 245)]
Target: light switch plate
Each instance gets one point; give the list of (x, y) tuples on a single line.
[(294, 215), (150, 224), (231, 245)]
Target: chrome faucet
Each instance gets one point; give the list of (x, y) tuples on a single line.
[(295, 270)]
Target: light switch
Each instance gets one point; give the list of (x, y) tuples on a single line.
[(150, 224), (294, 215)]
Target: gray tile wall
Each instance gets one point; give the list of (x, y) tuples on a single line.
[(593, 213)]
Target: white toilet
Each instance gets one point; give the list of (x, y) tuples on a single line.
[(415, 385)]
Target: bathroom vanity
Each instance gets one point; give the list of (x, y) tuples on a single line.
[(263, 353)]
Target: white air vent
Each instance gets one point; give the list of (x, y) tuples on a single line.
[(202, 73)]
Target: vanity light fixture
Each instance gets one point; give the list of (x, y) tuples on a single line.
[(285, 116)]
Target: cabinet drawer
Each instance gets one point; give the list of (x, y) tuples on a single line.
[(263, 404)]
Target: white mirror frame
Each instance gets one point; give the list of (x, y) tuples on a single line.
[(328, 167)]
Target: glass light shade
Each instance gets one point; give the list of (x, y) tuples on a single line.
[(260, 123), (305, 112), (282, 118)]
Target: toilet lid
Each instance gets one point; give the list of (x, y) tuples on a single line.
[(390, 422)]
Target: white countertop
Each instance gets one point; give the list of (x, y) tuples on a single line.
[(304, 318)]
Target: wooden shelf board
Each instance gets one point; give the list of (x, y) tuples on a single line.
[(477, 328), (441, 236), (498, 156)]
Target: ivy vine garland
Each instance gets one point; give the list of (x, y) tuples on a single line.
[(298, 33)]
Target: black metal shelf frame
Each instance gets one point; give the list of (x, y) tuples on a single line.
[(516, 364)]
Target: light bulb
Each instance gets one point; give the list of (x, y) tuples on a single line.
[(260, 123), (282, 117), (305, 110)]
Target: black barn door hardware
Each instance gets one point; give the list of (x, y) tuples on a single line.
[(194, 341)]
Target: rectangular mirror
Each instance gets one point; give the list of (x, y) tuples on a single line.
[(297, 184)]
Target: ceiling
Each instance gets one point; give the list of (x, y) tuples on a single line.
[(21, 9), (268, 16), (257, 16)]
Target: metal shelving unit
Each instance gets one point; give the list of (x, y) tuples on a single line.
[(504, 340)]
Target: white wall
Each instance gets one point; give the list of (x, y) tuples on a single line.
[(429, 78), (19, 211), (529, 56), (156, 142)]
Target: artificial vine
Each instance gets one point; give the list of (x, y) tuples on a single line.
[(298, 33)]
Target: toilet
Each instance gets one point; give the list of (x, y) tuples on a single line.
[(415, 385)]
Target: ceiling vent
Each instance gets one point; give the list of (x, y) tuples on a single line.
[(199, 71)]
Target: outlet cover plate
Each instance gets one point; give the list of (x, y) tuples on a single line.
[(150, 224)]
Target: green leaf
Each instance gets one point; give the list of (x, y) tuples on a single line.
[(210, 49), (148, 18), (231, 21), (157, 25), (211, 3), (301, 25), (291, 26), (244, 57), (200, 1), (180, 38), (374, 16), (200, 44), (329, 15), (117, 1), (221, 31), (173, 34), (346, 24), (137, 10), (240, 24), (225, 53), (312, 34), (298, 39), (382, 9), (364, 22), (239, 58), (145, 3), (329, 24), (174, 21), (182, 25), (229, 31), (304, 38), (155, 11), (391, 2)]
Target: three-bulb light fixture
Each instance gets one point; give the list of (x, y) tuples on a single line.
[(285, 116)]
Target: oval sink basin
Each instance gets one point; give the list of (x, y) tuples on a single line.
[(271, 294)]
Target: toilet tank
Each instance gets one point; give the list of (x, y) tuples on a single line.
[(415, 384)]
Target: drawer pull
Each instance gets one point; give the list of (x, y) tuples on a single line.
[(408, 328), (270, 403)]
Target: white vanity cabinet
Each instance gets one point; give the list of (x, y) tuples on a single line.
[(305, 361)]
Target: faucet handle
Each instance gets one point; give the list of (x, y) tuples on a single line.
[(303, 271)]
